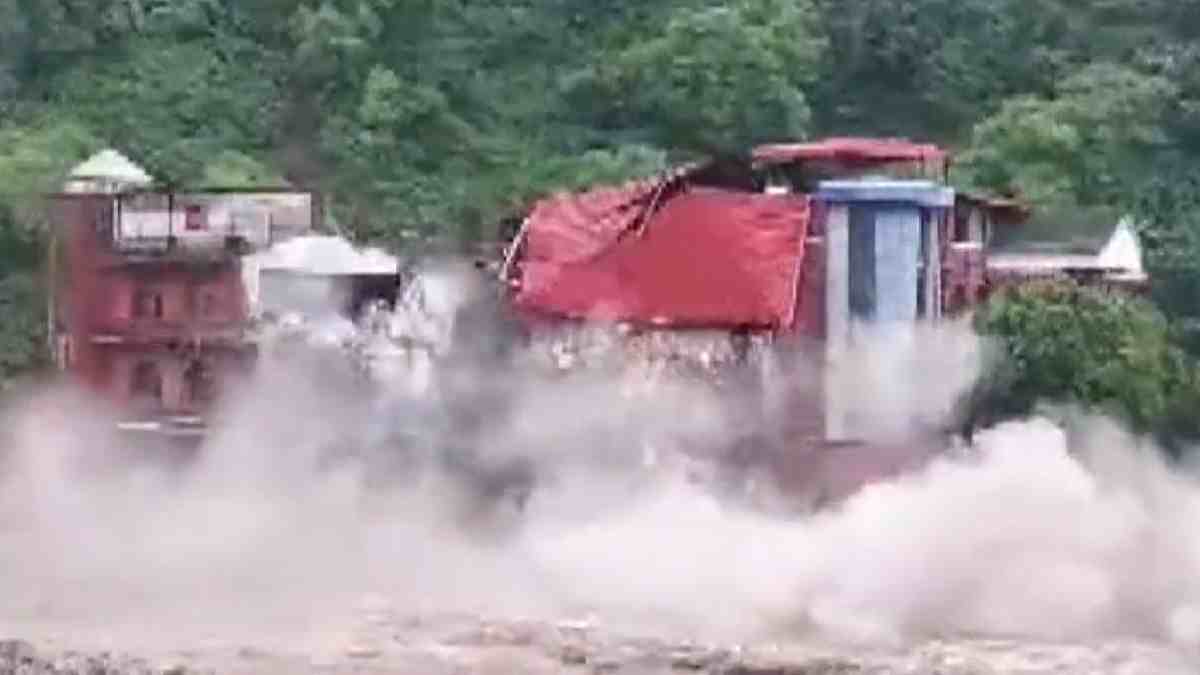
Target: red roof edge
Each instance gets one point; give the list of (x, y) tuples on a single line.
[(850, 149)]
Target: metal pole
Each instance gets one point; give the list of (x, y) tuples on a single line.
[(51, 289)]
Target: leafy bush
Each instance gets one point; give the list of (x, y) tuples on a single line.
[(1107, 351), (23, 330)]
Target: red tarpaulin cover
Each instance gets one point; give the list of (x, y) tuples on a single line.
[(570, 227), (850, 150), (705, 258)]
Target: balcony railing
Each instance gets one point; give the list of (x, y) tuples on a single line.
[(159, 222), (162, 331), (162, 230)]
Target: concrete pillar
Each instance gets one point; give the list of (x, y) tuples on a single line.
[(893, 210), (933, 268), (837, 314)]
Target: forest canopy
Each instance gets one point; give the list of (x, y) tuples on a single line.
[(439, 117)]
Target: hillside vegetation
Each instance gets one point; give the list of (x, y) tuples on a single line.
[(438, 116)]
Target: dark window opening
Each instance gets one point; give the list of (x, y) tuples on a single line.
[(147, 304), (194, 219), (971, 226), (962, 225), (208, 304), (104, 220), (741, 345), (922, 309), (201, 384), (923, 265), (862, 262), (147, 382)]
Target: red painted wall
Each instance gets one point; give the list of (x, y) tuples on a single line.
[(190, 300), (810, 299), (192, 311), (964, 279)]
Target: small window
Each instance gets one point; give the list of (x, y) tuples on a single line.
[(922, 310), (147, 381), (962, 225), (209, 307), (201, 385), (969, 226), (194, 219), (104, 219), (147, 304)]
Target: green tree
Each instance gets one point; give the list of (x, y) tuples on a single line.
[(23, 331), (441, 117), (715, 80), (932, 68), (33, 161), (1167, 209), (1065, 343), (1098, 131)]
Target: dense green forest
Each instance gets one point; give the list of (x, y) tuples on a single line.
[(424, 116), (439, 117)]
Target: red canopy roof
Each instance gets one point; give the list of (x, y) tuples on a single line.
[(850, 150), (705, 257)]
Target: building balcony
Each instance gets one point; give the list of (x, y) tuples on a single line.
[(151, 250), (166, 332), (153, 226)]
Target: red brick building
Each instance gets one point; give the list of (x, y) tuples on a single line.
[(149, 304)]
